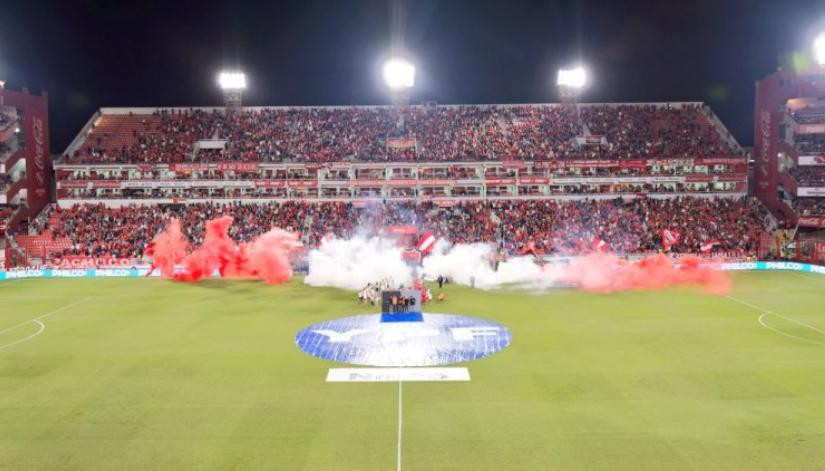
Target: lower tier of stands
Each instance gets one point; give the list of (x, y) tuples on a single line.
[(551, 226)]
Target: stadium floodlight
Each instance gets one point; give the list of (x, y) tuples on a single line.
[(399, 74), (232, 83), (819, 49), (575, 78), (232, 80)]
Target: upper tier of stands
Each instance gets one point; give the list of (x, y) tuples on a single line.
[(401, 134)]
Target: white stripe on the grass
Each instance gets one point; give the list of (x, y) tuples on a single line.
[(398, 466), (764, 312), (39, 331), (37, 320)]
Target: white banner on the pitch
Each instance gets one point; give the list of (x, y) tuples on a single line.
[(377, 375)]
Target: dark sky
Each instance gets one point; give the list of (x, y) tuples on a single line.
[(95, 53)]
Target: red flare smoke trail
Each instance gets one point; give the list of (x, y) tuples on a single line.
[(265, 258), (606, 273)]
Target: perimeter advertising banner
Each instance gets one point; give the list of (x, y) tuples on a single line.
[(811, 160), (810, 191)]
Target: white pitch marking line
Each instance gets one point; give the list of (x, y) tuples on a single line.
[(400, 396), (761, 320), (37, 320), (40, 331)]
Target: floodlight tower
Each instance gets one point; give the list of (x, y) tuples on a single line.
[(819, 49), (399, 75), (232, 83), (570, 83)]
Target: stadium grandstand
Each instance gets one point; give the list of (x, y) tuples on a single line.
[(517, 175)]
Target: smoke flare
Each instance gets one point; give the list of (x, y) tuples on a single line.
[(265, 258)]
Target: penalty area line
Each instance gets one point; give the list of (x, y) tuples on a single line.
[(39, 322), (39, 331), (766, 312)]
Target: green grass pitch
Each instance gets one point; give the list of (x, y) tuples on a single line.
[(148, 374)]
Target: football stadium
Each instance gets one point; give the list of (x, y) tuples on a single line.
[(566, 279)]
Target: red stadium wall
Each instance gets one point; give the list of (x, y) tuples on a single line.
[(772, 92), (35, 111)]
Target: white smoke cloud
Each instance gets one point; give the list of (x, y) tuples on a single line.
[(352, 263), (469, 264)]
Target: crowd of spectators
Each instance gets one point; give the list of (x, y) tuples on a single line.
[(5, 212), (810, 143), (808, 175), (627, 226), (809, 115), (808, 207), (5, 120), (634, 131), (417, 133), (5, 182)]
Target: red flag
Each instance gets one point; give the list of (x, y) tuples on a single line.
[(599, 245), (670, 238), (426, 242), (705, 248)]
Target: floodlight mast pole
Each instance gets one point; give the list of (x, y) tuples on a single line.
[(232, 99)]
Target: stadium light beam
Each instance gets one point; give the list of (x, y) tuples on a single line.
[(819, 49), (232, 80), (399, 74), (575, 78)]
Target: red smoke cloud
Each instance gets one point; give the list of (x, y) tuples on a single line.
[(606, 273), (265, 258)]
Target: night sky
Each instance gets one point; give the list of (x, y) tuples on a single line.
[(95, 53)]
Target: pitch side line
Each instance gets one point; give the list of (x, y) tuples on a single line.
[(400, 396), (38, 320), (764, 312)]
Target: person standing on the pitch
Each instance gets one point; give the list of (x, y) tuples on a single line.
[(440, 280)]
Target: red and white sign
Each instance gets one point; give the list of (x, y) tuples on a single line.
[(514, 164), (810, 191), (812, 222), (635, 164), (105, 184), (188, 167), (810, 129), (82, 184), (70, 262), (705, 248), (500, 181), (238, 166), (719, 161), (401, 142), (812, 160), (270, 183)]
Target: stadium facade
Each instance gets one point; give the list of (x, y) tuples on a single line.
[(789, 154), (25, 163)]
